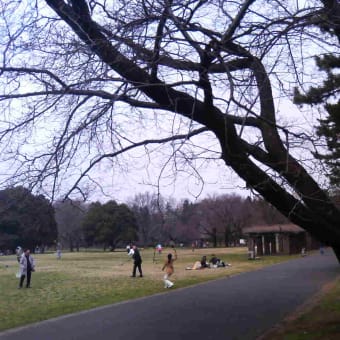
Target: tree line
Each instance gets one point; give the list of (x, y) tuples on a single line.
[(31, 220), (149, 219)]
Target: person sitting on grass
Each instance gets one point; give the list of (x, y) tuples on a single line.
[(199, 264), (204, 263), (215, 262)]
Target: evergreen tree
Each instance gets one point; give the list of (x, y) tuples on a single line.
[(25, 219), (327, 94), (109, 224)]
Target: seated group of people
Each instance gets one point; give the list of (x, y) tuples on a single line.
[(214, 262)]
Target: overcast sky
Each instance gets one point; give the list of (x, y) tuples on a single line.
[(123, 180), (123, 186)]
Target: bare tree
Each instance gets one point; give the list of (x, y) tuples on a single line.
[(263, 213), (147, 209), (223, 217), (207, 221), (81, 79), (69, 217), (233, 212)]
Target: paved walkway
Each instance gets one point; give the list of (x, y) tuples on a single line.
[(241, 307)]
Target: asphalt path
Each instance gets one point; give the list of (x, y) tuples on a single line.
[(241, 307)]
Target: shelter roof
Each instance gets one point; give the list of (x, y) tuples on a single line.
[(275, 228)]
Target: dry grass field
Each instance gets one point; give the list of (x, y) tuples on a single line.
[(85, 280)]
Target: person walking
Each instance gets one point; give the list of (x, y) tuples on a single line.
[(137, 262), (58, 252), (19, 251), (169, 269), (26, 268)]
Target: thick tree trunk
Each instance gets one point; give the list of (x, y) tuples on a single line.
[(71, 246), (214, 240), (226, 238)]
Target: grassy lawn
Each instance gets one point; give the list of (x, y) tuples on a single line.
[(319, 319), (85, 280)]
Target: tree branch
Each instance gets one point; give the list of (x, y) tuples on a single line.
[(134, 146)]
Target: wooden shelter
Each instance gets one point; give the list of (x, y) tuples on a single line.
[(278, 239)]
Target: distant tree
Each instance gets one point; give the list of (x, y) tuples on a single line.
[(170, 227), (69, 216), (147, 209), (186, 212), (90, 223), (263, 213), (187, 223), (26, 219), (206, 219), (223, 217), (143, 219), (126, 223), (109, 224), (234, 215), (144, 206)]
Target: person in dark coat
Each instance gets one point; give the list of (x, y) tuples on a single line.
[(204, 263), (137, 262)]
